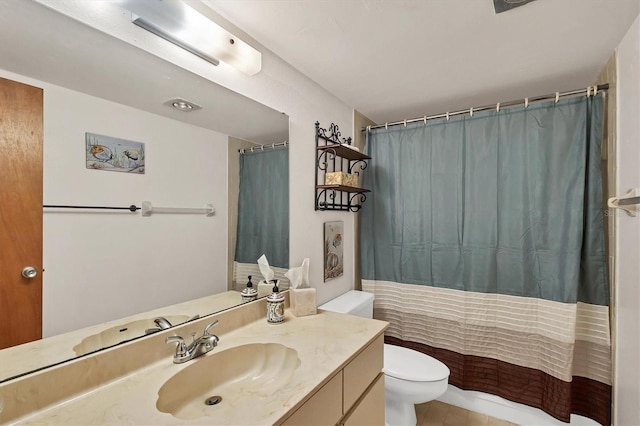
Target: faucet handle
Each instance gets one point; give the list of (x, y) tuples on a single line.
[(206, 329), (181, 348)]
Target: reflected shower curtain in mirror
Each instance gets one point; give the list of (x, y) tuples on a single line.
[(483, 242), (263, 213)]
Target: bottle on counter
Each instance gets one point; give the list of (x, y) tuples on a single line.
[(275, 306), (249, 293)]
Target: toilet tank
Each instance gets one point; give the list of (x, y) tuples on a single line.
[(352, 302)]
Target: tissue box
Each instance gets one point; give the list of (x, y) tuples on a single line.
[(302, 301), (341, 178), (264, 289)]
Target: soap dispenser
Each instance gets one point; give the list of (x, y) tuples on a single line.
[(249, 293), (275, 306)]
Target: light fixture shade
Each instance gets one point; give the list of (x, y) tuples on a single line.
[(178, 23)]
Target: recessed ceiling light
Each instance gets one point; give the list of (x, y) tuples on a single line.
[(182, 104)]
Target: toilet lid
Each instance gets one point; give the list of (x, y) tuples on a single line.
[(407, 364)]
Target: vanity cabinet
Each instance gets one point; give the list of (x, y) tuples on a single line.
[(369, 409), (336, 155), (354, 396), (323, 408)]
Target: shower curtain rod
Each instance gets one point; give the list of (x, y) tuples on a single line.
[(262, 147), (589, 91)]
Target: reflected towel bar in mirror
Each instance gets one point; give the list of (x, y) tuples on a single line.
[(131, 208), (147, 209)]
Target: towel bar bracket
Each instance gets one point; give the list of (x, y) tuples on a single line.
[(628, 202)]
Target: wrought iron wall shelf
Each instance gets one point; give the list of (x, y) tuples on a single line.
[(334, 154)]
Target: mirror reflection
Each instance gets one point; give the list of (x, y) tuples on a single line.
[(262, 215), (107, 277)]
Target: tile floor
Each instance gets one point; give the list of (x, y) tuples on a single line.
[(436, 413)]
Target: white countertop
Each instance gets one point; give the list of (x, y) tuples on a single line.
[(325, 343)]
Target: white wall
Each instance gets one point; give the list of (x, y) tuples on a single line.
[(101, 266), (284, 88), (627, 321)]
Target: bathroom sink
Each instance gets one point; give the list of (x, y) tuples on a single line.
[(238, 376), (122, 333)]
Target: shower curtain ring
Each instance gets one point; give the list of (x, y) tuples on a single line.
[(447, 115), (471, 112), (405, 122), (498, 107), (425, 119), (526, 102), (386, 126), (595, 90), (557, 96)]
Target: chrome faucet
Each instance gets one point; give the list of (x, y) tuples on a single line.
[(162, 323), (199, 346)]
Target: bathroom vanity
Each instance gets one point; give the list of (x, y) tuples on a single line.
[(354, 396), (320, 369)]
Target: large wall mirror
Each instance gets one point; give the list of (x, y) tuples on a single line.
[(112, 274)]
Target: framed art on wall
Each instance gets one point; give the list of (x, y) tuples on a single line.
[(333, 250), (114, 154)]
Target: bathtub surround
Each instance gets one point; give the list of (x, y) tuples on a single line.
[(484, 247), (609, 182)]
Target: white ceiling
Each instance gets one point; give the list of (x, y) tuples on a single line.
[(38, 42), (397, 59), (389, 59)]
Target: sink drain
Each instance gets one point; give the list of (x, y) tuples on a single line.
[(213, 400)]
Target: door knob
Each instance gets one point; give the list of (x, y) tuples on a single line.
[(29, 272)]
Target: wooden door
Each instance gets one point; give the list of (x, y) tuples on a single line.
[(21, 110)]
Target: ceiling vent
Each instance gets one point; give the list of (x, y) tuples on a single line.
[(504, 5)]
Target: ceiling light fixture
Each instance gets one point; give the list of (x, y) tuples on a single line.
[(178, 23), (182, 104)]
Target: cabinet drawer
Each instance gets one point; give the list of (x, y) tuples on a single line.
[(362, 371), (323, 408), (369, 410)]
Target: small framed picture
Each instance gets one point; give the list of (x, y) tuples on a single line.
[(114, 154), (333, 250)]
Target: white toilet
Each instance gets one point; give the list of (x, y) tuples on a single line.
[(411, 377)]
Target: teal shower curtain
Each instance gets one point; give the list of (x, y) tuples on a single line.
[(263, 207), (483, 242)]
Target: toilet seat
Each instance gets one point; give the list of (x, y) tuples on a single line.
[(407, 364)]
